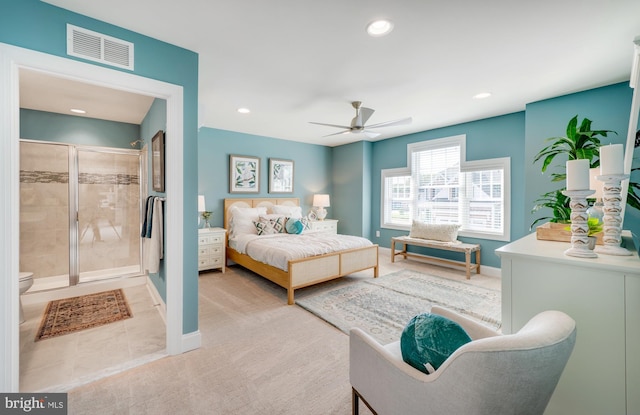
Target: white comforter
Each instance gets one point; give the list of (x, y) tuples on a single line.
[(278, 249)]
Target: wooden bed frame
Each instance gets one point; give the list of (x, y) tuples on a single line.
[(307, 271)]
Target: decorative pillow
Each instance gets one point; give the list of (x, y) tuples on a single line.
[(445, 232), (241, 221), (289, 211), (294, 226), (305, 223), (429, 339), (266, 226)]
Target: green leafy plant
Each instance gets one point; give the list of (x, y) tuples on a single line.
[(559, 205), (581, 142)]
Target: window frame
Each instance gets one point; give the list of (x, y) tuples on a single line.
[(501, 163)]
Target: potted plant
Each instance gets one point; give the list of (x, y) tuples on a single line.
[(580, 142)]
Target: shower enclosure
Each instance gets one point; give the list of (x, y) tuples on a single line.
[(80, 213)]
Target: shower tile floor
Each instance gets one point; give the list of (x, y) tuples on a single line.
[(60, 363)]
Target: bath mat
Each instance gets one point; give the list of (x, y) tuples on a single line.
[(383, 306), (79, 313)]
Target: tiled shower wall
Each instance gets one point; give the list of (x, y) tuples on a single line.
[(109, 210)]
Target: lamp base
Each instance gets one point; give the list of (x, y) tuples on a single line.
[(613, 250), (581, 252), (321, 213)]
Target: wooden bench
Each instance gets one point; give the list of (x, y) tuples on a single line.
[(461, 247)]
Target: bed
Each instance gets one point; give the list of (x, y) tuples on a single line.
[(297, 272)]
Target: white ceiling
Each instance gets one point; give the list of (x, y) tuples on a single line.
[(295, 61)]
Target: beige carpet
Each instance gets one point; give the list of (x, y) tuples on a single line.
[(80, 313)]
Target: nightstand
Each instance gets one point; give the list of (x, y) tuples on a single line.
[(211, 254), (327, 225)]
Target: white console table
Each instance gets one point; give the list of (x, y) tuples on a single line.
[(603, 296)]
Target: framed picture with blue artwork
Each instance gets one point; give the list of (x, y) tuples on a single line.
[(244, 174)]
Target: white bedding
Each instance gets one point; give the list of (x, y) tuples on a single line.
[(278, 249)]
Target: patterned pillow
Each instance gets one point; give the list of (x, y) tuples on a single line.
[(294, 226), (305, 223), (270, 226)]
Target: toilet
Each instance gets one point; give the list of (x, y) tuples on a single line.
[(26, 281)]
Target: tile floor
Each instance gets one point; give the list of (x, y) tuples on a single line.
[(64, 362)]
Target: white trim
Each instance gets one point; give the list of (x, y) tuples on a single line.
[(157, 299), (455, 140), (191, 341), (11, 59)]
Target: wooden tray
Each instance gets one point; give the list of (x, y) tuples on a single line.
[(557, 232)]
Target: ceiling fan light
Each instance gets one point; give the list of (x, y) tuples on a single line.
[(379, 28)]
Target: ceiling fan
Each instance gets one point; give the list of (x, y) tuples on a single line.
[(358, 122)]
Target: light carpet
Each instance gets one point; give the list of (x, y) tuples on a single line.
[(383, 306), (79, 313)]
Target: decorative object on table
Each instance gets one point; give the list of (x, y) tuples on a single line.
[(157, 161), (595, 211), (611, 169), (577, 191), (244, 174), (320, 202), (203, 211), (280, 176)]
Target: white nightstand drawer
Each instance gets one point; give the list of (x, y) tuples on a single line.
[(327, 225), (211, 248)]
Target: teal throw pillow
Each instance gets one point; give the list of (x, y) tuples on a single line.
[(294, 226), (429, 339)]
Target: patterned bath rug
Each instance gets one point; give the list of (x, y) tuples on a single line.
[(383, 306), (79, 313)]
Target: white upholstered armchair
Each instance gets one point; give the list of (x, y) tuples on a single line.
[(493, 374)]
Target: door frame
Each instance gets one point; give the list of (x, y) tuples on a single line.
[(13, 58)]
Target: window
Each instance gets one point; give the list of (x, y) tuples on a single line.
[(439, 186)]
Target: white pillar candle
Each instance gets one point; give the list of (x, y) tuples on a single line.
[(611, 159), (578, 174)]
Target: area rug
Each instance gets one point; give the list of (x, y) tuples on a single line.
[(79, 313), (383, 306)]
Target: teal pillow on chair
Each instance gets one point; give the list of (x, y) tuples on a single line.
[(429, 339)]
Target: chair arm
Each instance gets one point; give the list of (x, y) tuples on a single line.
[(474, 329)]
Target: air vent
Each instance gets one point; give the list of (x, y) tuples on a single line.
[(97, 47)]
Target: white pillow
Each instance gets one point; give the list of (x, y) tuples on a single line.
[(288, 211), (444, 232), (242, 219)]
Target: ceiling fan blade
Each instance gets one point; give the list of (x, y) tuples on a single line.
[(330, 125), (370, 134), (338, 133), (402, 121), (366, 113)]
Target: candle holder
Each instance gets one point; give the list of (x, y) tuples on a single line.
[(612, 215), (579, 225)]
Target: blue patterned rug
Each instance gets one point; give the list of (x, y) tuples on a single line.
[(383, 306)]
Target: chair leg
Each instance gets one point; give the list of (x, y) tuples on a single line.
[(355, 410)]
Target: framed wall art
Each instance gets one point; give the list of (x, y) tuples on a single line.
[(244, 174), (157, 161), (280, 176)]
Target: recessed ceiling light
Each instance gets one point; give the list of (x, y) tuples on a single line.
[(244, 110), (78, 111), (379, 28), (482, 95)]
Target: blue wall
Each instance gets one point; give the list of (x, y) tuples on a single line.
[(312, 167), (36, 25), (62, 128)]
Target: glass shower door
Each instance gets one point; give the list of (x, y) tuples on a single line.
[(109, 243)]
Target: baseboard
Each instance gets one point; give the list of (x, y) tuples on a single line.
[(191, 341), (158, 302)]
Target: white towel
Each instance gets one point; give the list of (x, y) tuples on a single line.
[(153, 246)]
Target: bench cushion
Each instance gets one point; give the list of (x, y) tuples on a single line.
[(444, 232)]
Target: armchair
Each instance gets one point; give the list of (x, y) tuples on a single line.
[(493, 374)]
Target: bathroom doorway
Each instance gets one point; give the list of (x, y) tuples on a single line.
[(80, 213)]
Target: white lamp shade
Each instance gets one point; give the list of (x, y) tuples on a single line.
[(201, 204), (321, 200)]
